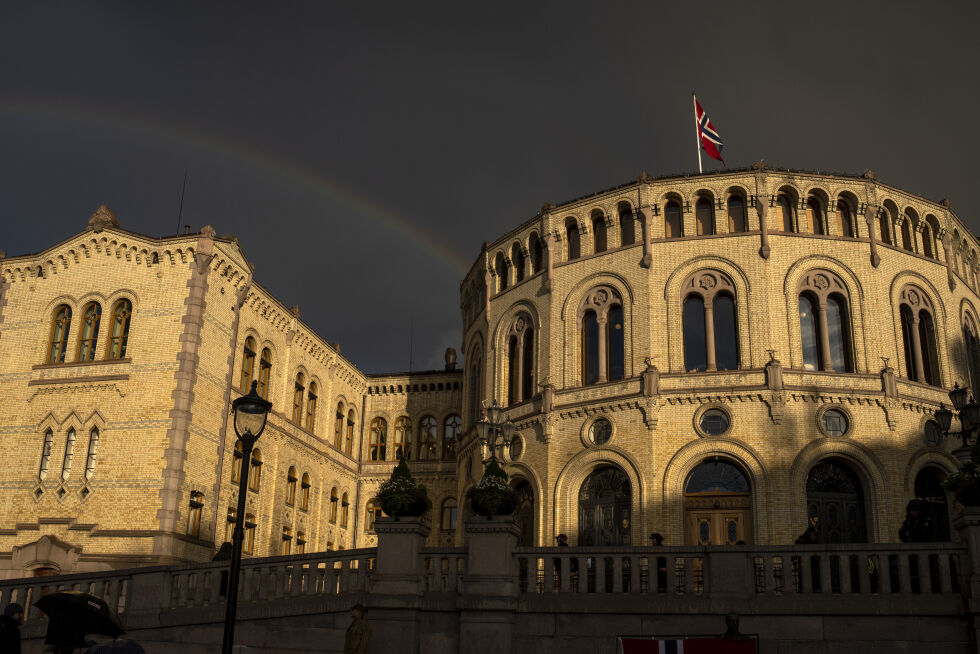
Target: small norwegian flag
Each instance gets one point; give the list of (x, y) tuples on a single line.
[(710, 140)]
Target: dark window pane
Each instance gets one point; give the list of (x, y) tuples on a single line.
[(736, 214), (717, 477), (590, 348), (726, 339), (528, 372), (714, 422), (838, 331), (600, 431), (702, 214), (599, 233), (536, 253), (517, 259), (674, 224), (808, 333), (786, 208), (907, 328), (512, 371), (695, 354), (615, 342), (627, 227), (571, 233), (927, 336)]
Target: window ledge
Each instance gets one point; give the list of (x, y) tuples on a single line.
[(73, 364)]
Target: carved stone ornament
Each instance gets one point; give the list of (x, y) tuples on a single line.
[(295, 311), (823, 283), (208, 231), (644, 178), (599, 300), (870, 174), (102, 218), (760, 165), (708, 283), (915, 298)]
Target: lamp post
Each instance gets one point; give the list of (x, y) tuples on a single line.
[(251, 412), (969, 416), (492, 427)]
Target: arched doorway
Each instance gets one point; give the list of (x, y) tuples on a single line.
[(932, 502), (835, 497), (525, 513), (717, 504), (604, 508)]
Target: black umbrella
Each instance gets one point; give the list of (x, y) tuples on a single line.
[(73, 614), (118, 646)]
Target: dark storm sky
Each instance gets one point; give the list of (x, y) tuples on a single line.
[(362, 154)]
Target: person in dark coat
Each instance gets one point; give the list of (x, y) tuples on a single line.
[(10, 621), (812, 534), (916, 527), (358, 637)]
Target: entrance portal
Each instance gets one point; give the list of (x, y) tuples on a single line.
[(717, 505), (834, 496)]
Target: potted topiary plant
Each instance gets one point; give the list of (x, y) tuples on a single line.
[(493, 496), (965, 484), (401, 496)]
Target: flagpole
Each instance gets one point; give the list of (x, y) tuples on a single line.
[(697, 131)]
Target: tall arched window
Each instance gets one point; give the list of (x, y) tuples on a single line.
[(299, 388), (428, 438), (93, 452), (448, 519), (736, 214), (572, 238), (42, 470), (255, 471), (520, 359), (248, 364), (627, 225), (907, 235), (825, 326), (928, 242), (919, 336), (311, 407), (248, 546), (60, 328), (373, 512), (673, 220), (845, 218), (475, 388), (304, 486), (972, 343), (344, 511), (835, 497), (704, 217), (500, 270), (517, 260), (338, 435), (884, 226), (602, 332), (91, 318), (537, 253), (599, 240), (349, 443), (122, 313), (291, 486), (710, 335), (786, 212), (236, 464), (451, 432), (379, 437), (334, 499), (814, 216), (265, 370), (403, 437), (69, 454)]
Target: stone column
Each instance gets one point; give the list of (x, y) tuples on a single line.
[(709, 334), (824, 334), (549, 243), (917, 350), (948, 251), (870, 211), (647, 233), (488, 601), (602, 322), (518, 369), (760, 208)]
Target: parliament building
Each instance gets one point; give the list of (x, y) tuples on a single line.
[(717, 358)]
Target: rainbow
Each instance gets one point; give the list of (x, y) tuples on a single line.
[(363, 205)]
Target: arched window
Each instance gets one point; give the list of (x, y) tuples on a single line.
[(517, 260), (627, 225), (60, 328), (304, 486), (299, 387), (451, 432), (524, 513), (248, 364), (448, 521), (91, 317), (712, 484), (603, 336), (673, 220), (301, 542), (736, 214), (475, 384), (338, 436), (835, 498), (605, 508), (348, 445), (572, 238), (428, 438), (599, 231), (379, 437), (845, 219), (928, 242), (93, 452), (333, 505), (255, 472), (311, 407), (972, 343), (291, 486), (537, 253), (194, 514), (907, 235), (42, 470), (786, 212), (520, 359), (919, 336), (403, 438), (265, 369), (344, 511), (236, 467), (230, 524), (287, 539), (710, 335), (248, 546), (884, 229), (69, 454), (373, 513), (704, 217), (825, 325), (122, 313), (500, 270), (814, 216)]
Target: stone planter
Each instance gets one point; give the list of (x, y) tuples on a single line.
[(399, 563)]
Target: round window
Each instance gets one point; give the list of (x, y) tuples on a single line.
[(516, 448), (834, 422), (600, 431), (714, 422), (934, 435)]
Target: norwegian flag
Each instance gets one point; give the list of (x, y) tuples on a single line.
[(710, 140), (640, 645)]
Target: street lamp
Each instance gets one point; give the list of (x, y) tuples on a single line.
[(968, 414), (491, 427), (251, 412)]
